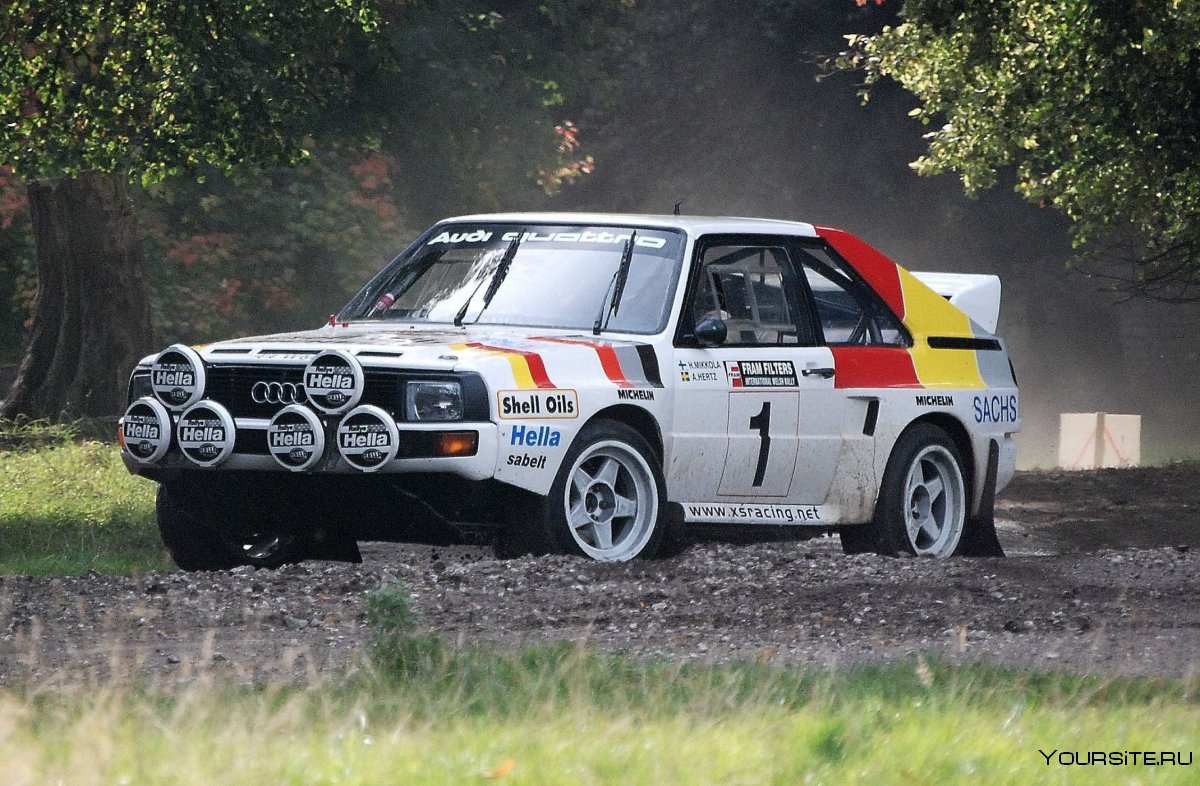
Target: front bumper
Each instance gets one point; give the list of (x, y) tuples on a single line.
[(250, 452)]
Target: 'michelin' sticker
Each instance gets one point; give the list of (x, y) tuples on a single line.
[(296, 438), (333, 381)]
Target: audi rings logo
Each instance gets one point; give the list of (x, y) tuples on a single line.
[(278, 393)]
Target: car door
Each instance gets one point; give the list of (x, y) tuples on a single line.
[(756, 417)]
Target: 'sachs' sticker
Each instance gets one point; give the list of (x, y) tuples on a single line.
[(535, 436), (146, 430), (205, 433), (761, 373), (701, 371), (368, 438), (296, 438), (996, 409), (177, 377), (333, 381), (532, 462), (537, 404), (935, 401)]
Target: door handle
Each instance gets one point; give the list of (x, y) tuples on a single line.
[(824, 373)]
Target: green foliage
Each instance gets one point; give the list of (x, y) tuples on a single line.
[(68, 507), (153, 88), (491, 95), (569, 715), (390, 611), (1092, 102), (462, 106), (268, 249)]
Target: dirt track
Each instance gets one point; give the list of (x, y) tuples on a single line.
[(1101, 577)]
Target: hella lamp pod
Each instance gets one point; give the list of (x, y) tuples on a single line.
[(426, 400), (177, 377)]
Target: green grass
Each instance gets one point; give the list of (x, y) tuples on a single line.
[(67, 507), (571, 716)]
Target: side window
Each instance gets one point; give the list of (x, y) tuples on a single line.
[(849, 312), (752, 288)]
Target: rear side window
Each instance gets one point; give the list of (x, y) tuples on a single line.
[(848, 311)]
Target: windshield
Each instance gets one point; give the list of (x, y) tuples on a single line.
[(557, 276)]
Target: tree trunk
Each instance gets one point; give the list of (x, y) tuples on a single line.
[(91, 318)]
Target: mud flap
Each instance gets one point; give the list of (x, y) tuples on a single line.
[(337, 549), (979, 537)]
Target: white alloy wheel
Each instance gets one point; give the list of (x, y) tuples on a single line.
[(611, 501), (935, 502)]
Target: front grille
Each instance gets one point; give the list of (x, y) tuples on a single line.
[(230, 385)]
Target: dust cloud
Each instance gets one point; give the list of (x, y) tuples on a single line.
[(728, 117)]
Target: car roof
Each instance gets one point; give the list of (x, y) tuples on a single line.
[(693, 225)]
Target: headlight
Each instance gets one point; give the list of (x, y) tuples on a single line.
[(433, 401)]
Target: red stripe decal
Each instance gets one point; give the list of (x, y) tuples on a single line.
[(608, 358), (879, 271), (537, 369), (874, 367)]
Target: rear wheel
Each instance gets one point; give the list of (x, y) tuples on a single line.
[(922, 507)]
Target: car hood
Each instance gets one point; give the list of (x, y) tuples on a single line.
[(529, 357)]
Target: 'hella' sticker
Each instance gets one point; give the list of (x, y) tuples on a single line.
[(205, 433), (368, 438), (146, 430), (177, 376), (333, 381), (296, 438)]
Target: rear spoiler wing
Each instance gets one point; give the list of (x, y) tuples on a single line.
[(976, 295)]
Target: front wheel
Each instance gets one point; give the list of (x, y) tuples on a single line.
[(922, 507), (608, 500), (204, 536)]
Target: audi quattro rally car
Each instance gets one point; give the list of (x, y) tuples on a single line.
[(593, 384)]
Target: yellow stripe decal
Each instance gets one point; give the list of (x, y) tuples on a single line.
[(520, 366), (929, 314)]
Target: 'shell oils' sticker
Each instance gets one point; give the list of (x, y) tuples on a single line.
[(333, 381), (296, 438), (206, 434), (368, 438), (761, 373), (177, 377), (146, 430), (537, 404)]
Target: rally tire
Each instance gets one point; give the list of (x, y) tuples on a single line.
[(191, 535), (608, 501), (923, 502)]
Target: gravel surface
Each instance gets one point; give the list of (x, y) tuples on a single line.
[(1101, 577)]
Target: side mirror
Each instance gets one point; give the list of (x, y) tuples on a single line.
[(711, 331)]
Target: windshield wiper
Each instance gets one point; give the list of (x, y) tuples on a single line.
[(497, 279), (616, 286)]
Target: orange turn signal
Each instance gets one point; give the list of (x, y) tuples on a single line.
[(457, 443)]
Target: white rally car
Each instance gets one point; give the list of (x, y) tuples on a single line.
[(593, 384)]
